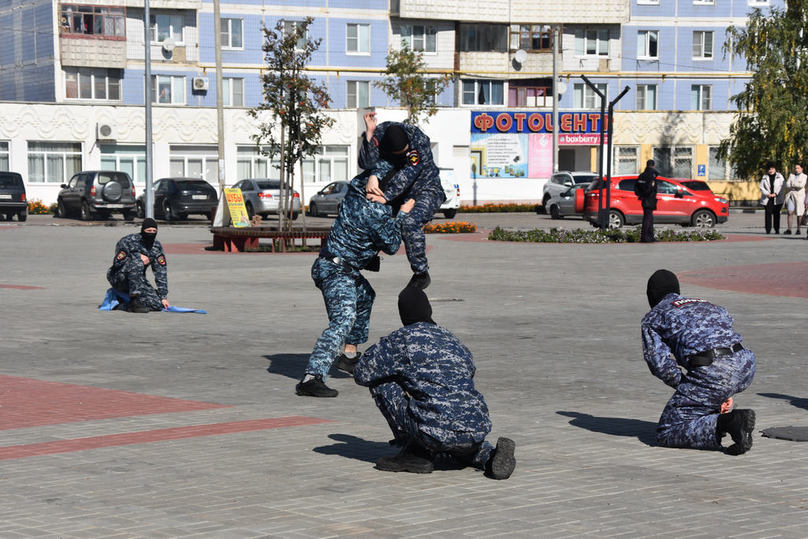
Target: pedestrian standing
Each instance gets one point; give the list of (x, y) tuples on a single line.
[(771, 187), (646, 191), (795, 197)]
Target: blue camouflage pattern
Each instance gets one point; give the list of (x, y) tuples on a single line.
[(361, 230), (419, 180), (677, 328), (128, 272), (422, 379)]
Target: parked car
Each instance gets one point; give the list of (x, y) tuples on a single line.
[(97, 193), (176, 198), (563, 204), (328, 199), (452, 190), (262, 197), (675, 204), (12, 196), (560, 182)]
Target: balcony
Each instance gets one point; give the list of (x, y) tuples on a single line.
[(567, 12)]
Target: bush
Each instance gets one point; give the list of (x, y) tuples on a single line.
[(36, 207), (631, 235), (453, 227), (498, 208)]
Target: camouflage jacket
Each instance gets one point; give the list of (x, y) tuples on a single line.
[(132, 246)]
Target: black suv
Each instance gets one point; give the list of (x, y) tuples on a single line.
[(12, 196), (175, 198), (97, 193)]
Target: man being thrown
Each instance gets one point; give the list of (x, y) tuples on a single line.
[(405, 150), (133, 255), (694, 334), (422, 379), (361, 230)]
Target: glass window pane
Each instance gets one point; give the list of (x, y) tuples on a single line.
[(36, 168), (226, 91), (708, 44), (325, 170), (236, 33), (261, 168), (243, 169), (308, 170), (364, 38), (497, 96), (211, 171), (364, 94), (73, 165), (238, 92), (178, 89), (431, 40), (468, 92), (652, 44), (177, 167), (4, 162), (140, 177), (100, 87), (109, 163), (85, 86), (340, 170), (694, 98), (195, 168), (641, 49), (71, 85), (163, 92), (56, 171)]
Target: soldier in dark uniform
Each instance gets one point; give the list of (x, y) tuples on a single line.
[(698, 336), (133, 255), (361, 230), (422, 379), (646, 191), (406, 149)]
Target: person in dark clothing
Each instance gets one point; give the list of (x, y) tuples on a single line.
[(773, 197), (646, 191), (422, 379)]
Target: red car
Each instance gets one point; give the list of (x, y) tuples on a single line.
[(676, 203)]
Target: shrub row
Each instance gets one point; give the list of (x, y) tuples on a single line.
[(631, 235), (453, 227), (498, 208)]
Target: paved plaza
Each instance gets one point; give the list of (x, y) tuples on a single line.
[(174, 425)]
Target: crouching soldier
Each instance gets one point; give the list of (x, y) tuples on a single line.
[(701, 339), (422, 379), (133, 255), (361, 230)]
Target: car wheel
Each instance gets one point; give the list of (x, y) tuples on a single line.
[(703, 219), (182, 216), (554, 212), (61, 210), (449, 214), (616, 219), (23, 215), (86, 211), (250, 210), (543, 208), (141, 212), (168, 213), (313, 210)]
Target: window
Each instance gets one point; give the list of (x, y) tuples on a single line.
[(98, 84), (253, 164), (358, 38), (702, 45), (674, 161), (648, 2), (290, 28), (103, 22), (232, 33), (585, 97), (165, 26), (329, 163), (358, 94), (532, 37), (592, 42), (648, 44), (418, 37), (701, 97), (129, 159), (195, 162), (232, 92), (53, 162), (168, 89), (525, 95), (483, 38), (717, 168), (703, 2), (627, 159), (646, 97), (758, 2), (483, 92), (4, 161)]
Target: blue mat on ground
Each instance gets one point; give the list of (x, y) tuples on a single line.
[(115, 298)]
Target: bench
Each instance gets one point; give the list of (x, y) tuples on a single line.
[(232, 239)]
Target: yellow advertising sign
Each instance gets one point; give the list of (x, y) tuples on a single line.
[(238, 211)]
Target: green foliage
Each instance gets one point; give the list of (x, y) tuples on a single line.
[(499, 208), (771, 123), (632, 235), (408, 84)]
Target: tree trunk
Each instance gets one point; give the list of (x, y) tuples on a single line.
[(282, 176)]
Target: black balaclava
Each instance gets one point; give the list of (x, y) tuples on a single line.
[(413, 306), (148, 237), (661, 283), (394, 141)]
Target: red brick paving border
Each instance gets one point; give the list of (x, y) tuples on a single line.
[(21, 287), (787, 279)]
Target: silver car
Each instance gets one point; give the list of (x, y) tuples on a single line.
[(563, 204), (560, 182), (328, 199), (262, 197)]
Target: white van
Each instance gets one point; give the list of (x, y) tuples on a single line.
[(452, 190)]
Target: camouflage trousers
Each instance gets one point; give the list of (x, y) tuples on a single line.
[(348, 301), (690, 417), (412, 228), (130, 278), (393, 402)]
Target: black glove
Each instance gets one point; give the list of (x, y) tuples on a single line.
[(374, 264)]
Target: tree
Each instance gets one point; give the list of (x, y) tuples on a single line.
[(772, 122), (294, 102), (408, 84)]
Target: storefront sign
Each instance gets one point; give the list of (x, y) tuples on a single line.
[(534, 122)]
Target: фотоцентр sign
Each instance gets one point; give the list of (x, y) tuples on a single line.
[(535, 122)]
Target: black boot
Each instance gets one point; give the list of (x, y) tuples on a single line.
[(347, 364), (739, 424), (420, 280), (135, 306), (315, 388), (411, 459), (502, 461)]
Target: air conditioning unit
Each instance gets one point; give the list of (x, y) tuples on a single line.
[(104, 131), (200, 84)]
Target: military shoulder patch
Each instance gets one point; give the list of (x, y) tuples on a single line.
[(687, 301), (161, 260), (120, 256), (413, 157)]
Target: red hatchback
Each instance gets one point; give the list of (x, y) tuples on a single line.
[(676, 204)]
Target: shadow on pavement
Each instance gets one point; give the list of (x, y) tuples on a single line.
[(294, 366), (645, 431), (352, 447), (799, 402)]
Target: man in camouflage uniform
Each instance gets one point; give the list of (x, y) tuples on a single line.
[(422, 379), (698, 336), (133, 254), (361, 230), (406, 150)]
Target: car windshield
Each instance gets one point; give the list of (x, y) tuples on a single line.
[(586, 178), (106, 177), (269, 184), (9, 181), (193, 185)]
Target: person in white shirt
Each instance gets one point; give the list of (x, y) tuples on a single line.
[(795, 197)]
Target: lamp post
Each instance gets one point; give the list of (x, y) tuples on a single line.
[(149, 209)]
